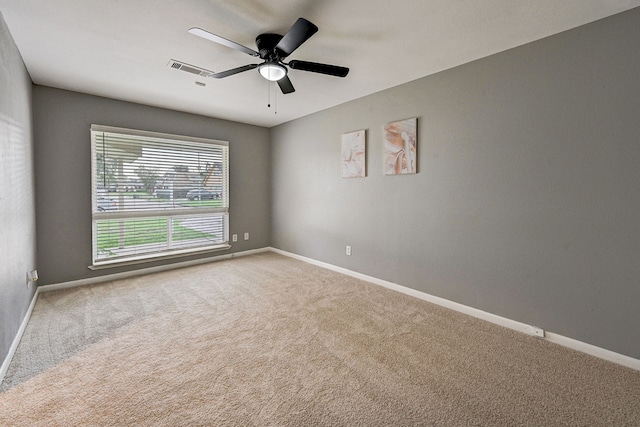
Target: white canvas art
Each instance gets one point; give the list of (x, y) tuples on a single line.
[(353, 154)]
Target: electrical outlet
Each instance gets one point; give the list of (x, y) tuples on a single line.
[(348, 250), (535, 331), (246, 236), (234, 238), (32, 276)]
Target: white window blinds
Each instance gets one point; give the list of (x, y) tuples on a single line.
[(156, 195)]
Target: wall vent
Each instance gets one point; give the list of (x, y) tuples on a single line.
[(189, 68)]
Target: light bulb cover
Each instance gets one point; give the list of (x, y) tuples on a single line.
[(272, 71)]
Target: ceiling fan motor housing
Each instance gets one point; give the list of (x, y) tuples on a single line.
[(266, 44)]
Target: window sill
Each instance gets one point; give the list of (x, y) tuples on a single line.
[(151, 258)]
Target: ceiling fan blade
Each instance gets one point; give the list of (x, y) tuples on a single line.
[(314, 67), (285, 85), (297, 34), (233, 71), (221, 40)]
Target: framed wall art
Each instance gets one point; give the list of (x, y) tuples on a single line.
[(401, 147), (353, 154)]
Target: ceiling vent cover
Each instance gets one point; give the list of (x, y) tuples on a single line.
[(189, 68)]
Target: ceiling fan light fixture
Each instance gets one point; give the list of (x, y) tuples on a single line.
[(272, 71)]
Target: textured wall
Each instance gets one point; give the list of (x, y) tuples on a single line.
[(17, 202), (527, 199), (63, 175)]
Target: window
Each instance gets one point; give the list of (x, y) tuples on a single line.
[(157, 195)]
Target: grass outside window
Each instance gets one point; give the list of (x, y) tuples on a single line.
[(143, 231)]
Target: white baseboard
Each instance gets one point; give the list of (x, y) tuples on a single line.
[(75, 283), (16, 340), (149, 270), (571, 343), (583, 347)]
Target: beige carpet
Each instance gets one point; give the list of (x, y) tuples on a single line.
[(266, 340)]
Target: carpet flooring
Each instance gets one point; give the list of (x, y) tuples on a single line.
[(265, 340)]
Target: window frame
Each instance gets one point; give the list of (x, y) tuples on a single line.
[(98, 262)]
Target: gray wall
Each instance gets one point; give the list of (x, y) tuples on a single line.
[(17, 203), (527, 199), (63, 175)]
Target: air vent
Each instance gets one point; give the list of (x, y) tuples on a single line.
[(189, 68)]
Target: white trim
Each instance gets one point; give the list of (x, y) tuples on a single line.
[(152, 213), (75, 283), (151, 257), (571, 343), (149, 270), (593, 350), (156, 135), (16, 340)]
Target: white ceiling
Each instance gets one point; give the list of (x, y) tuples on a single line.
[(120, 48)]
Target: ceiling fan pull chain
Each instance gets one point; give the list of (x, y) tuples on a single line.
[(268, 94)]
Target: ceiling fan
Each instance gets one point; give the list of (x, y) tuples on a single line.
[(273, 49)]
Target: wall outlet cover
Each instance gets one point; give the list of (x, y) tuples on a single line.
[(535, 331)]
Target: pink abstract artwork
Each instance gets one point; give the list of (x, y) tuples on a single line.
[(353, 154), (400, 147)]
